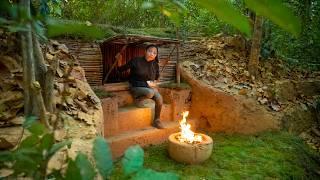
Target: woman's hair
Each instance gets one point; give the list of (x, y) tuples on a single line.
[(156, 59), (155, 46)]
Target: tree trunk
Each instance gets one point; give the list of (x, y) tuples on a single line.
[(40, 66), (30, 106), (26, 89), (49, 86), (44, 76), (255, 47), (32, 57)]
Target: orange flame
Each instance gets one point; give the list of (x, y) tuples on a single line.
[(186, 134)]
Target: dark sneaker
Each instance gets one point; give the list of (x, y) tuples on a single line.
[(157, 124)]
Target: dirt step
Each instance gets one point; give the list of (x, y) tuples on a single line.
[(143, 137), (130, 118)]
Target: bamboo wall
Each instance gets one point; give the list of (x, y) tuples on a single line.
[(167, 72), (89, 55), (109, 50), (96, 60)]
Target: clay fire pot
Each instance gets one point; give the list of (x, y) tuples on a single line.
[(190, 153)]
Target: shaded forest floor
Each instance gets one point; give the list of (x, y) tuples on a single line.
[(273, 155), (221, 62)]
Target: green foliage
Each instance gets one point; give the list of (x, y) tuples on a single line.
[(58, 28), (31, 157), (15, 19), (173, 9), (10, 19), (73, 170), (132, 164), (133, 160), (101, 93), (276, 12), (226, 12), (201, 22), (303, 50), (86, 169), (102, 156), (189, 15), (129, 14)]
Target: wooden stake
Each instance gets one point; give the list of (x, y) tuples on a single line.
[(177, 67), (115, 62)]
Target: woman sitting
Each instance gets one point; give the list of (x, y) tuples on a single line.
[(143, 70)]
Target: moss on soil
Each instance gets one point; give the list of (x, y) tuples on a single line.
[(175, 86), (102, 93), (272, 155)]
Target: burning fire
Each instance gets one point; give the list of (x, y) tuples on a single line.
[(186, 134)]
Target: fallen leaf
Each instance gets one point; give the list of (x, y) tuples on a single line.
[(263, 100), (243, 91), (85, 117), (49, 56), (60, 72), (275, 107)]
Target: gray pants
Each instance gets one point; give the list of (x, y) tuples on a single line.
[(142, 93)]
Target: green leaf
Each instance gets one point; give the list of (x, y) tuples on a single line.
[(4, 21), (39, 29), (58, 146), (46, 143), (133, 159), (26, 160), (37, 129), (59, 28), (86, 169), (6, 156), (73, 171), (58, 11), (26, 151), (277, 12), (7, 7), (147, 5), (146, 174), (30, 141), (224, 10), (32, 124), (16, 28), (4, 6), (173, 16), (102, 155), (29, 121)]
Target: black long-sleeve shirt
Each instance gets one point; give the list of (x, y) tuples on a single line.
[(141, 71)]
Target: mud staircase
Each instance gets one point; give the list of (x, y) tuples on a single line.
[(126, 125)]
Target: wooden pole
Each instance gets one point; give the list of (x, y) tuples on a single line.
[(177, 67), (115, 62), (30, 107), (168, 59)]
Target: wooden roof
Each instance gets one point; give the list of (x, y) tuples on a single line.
[(140, 39)]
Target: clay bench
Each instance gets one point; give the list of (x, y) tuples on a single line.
[(125, 124)]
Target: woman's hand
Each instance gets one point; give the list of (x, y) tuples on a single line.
[(118, 58), (153, 84)]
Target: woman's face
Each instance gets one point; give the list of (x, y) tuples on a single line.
[(151, 53)]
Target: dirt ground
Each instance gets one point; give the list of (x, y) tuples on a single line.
[(227, 99)]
